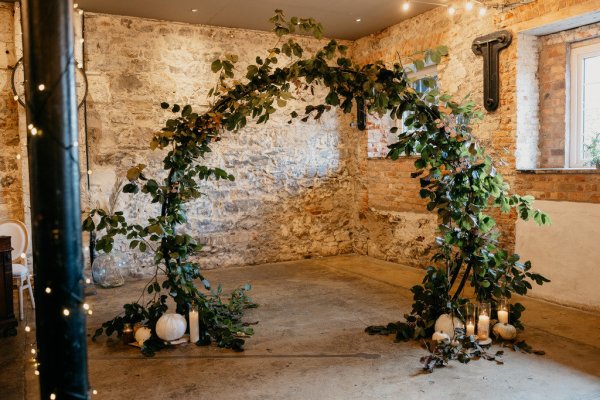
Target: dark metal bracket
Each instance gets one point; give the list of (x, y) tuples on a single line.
[(489, 46), (361, 114)]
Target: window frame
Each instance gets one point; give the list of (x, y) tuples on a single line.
[(575, 157)]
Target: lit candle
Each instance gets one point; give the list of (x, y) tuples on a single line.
[(503, 316), (470, 328), (483, 327), (127, 334), (194, 326)]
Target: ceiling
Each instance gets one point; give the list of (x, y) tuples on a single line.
[(339, 17)]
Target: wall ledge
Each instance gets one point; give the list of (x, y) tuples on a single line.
[(559, 171)]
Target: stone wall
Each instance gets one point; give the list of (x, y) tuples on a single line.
[(293, 196), (11, 203)]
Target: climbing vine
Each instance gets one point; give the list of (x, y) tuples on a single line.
[(458, 180)]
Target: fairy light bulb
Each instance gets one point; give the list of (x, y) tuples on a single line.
[(451, 10), (48, 290), (27, 329), (41, 87), (482, 11), (86, 306), (66, 312), (89, 172), (30, 126), (52, 396), (75, 144), (88, 281), (32, 351), (15, 97), (34, 131), (18, 156), (75, 5), (36, 372), (406, 5), (94, 392), (90, 312)]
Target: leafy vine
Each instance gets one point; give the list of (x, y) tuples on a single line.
[(457, 178)]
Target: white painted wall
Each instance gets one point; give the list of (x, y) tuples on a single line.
[(568, 253)]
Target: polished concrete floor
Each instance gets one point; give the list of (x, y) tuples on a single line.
[(310, 344)]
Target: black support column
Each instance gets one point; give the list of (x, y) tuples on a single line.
[(55, 209)]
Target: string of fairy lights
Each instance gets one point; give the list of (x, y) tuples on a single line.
[(34, 131), (452, 7)]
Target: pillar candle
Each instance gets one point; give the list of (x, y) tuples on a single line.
[(470, 329), (483, 327), (503, 316), (194, 327)]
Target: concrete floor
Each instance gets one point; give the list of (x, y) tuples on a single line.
[(310, 344)]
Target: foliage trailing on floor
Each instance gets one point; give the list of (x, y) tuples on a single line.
[(459, 181)]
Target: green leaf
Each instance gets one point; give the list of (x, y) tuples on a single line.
[(216, 66)]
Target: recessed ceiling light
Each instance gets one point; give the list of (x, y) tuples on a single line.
[(194, 10), (358, 19), (406, 5), (469, 5)]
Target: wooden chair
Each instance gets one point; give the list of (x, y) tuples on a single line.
[(20, 243)]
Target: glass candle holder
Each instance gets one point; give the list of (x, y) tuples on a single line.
[(483, 322), (470, 315), (127, 334), (503, 310)]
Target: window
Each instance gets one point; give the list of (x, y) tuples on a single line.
[(379, 135), (585, 101)]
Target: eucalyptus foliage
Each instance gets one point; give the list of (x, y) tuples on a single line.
[(458, 180)]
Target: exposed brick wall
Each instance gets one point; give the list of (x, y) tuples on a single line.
[(552, 72), (459, 74), (561, 186), (11, 204), (553, 77)]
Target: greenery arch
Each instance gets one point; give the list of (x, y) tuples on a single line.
[(456, 176)]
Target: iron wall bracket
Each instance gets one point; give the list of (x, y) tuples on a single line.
[(489, 46)]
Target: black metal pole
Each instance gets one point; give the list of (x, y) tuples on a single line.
[(54, 187)]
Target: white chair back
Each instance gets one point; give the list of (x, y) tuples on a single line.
[(19, 239)]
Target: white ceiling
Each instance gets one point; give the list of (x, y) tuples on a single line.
[(337, 16)]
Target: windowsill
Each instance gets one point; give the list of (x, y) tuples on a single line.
[(559, 171), (411, 157)]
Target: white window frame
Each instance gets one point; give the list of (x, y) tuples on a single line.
[(430, 71), (574, 139)]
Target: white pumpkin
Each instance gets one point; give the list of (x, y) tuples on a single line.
[(505, 331), (446, 324), (440, 337), (142, 334), (171, 326)]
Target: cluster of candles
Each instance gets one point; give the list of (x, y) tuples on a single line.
[(479, 317)]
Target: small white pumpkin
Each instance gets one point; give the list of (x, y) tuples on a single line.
[(505, 331), (171, 326), (142, 334), (446, 324), (440, 337)]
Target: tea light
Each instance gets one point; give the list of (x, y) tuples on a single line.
[(194, 326)]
